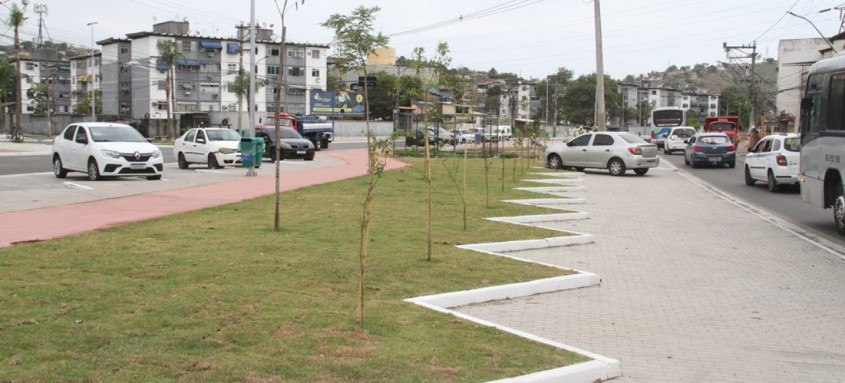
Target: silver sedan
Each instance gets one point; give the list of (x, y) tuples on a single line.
[(615, 151)]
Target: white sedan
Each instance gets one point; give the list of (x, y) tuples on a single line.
[(774, 160), (214, 147), (103, 149), (614, 151)]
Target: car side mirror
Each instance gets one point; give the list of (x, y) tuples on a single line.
[(200, 140), (82, 140)]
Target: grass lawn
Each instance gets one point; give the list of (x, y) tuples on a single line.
[(217, 295)]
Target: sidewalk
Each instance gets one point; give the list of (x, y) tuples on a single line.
[(694, 287), (47, 223)]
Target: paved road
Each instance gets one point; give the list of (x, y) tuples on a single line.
[(695, 288), (787, 204)]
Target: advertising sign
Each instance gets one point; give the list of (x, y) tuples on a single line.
[(337, 103)]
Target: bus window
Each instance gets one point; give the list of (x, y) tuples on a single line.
[(811, 106), (836, 101)]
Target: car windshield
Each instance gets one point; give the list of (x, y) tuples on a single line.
[(290, 133), (684, 133), (631, 139), (792, 144), (714, 140), (115, 133), (222, 135)]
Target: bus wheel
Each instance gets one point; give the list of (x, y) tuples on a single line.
[(839, 209)]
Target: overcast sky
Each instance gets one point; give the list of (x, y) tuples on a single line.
[(531, 38)]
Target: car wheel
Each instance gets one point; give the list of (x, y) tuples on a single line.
[(183, 164), (309, 158), (463, 141), (212, 162), (666, 150), (640, 172), (748, 179), (93, 170), (555, 162), (155, 177), (771, 182), (731, 165), (616, 167), (58, 168), (693, 164), (839, 208), (316, 144), (686, 160)]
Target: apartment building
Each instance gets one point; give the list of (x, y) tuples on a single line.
[(44, 67), (133, 76)]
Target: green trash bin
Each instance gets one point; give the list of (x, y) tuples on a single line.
[(259, 150), (247, 147)]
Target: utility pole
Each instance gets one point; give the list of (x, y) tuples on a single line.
[(93, 77), (41, 9), (601, 115), (752, 82)]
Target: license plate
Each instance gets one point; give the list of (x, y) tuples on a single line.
[(137, 166), (300, 152), (715, 159)]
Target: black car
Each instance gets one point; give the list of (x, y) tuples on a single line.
[(293, 145)]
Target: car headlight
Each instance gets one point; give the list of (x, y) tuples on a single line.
[(157, 154), (284, 145), (227, 150), (110, 153)]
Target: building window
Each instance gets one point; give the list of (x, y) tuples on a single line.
[(272, 70), (296, 71), (296, 52), (295, 91), (160, 84), (274, 52), (315, 72), (233, 68), (315, 53), (187, 46), (124, 49)]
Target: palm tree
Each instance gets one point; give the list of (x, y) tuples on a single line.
[(168, 53), (16, 19)]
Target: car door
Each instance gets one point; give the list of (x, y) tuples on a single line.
[(77, 157), (688, 149), (575, 152), (197, 147), (757, 159), (599, 151)]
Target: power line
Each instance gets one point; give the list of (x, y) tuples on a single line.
[(494, 10)]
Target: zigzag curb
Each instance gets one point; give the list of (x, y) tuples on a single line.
[(600, 368)]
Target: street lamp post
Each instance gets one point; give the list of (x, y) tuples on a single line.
[(93, 76)]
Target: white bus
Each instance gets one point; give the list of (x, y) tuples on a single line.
[(822, 129), (663, 120)]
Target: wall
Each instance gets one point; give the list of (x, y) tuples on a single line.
[(794, 59)]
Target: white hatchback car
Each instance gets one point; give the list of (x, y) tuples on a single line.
[(104, 149), (676, 139), (774, 160), (215, 147)]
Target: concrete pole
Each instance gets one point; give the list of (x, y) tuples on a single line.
[(601, 115)]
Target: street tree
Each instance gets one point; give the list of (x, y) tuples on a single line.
[(16, 19), (168, 53), (7, 86), (579, 103), (355, 40)]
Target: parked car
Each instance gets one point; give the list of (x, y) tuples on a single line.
[(292, 144), (615, 151), (214, 147), (710, 149), (463, 136), (675, 139), (774, 160), (104, 149)]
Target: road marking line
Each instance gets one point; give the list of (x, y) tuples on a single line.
[(76, 186)]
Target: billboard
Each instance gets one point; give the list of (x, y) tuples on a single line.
[(337, 103)]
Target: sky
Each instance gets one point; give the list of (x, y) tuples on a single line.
[(531, 38)]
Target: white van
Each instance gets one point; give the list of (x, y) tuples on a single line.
[(497, 133)]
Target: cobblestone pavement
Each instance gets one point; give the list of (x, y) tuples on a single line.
[(695, 289)]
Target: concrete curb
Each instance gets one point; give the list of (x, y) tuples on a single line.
[(600, 368)]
